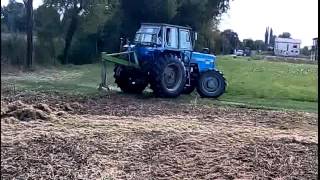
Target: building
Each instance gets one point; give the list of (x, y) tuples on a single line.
[(286, 47), (314, 50)]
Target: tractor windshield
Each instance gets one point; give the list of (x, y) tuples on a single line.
[(147, 35)]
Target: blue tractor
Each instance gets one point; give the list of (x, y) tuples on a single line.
[(162, 55)]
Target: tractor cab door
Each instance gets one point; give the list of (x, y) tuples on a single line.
[(185, 40), (185, 44), (171, 37)]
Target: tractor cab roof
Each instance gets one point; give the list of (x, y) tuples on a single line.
[(163, 24)]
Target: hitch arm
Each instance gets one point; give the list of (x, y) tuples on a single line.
[(110, 58)]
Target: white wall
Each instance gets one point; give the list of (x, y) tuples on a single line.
[(286, 49)]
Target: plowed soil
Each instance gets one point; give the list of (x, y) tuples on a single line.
[(51, 136)]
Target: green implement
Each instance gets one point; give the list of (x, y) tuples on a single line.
[(131, 60)]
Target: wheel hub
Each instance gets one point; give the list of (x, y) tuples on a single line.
[(210, 84), (172, 77)]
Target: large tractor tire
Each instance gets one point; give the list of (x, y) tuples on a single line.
[(168, 76), (129, 80), (211, 84)]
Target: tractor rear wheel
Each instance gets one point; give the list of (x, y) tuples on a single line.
[(211, 84), (168, 76), (129, 80)]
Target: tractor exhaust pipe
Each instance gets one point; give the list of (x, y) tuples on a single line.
[(121, 44)]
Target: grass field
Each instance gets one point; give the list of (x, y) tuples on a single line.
[(253, 83), (276, 84)]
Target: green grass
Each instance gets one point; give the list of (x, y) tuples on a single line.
[(251, 83), (271, 84), (264, 79), (82, 79)]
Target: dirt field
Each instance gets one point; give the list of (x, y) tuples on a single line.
[(49, 136)]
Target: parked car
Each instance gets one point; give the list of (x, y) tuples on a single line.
[(239, 53)]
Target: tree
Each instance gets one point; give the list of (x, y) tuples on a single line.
[(89, 25), (266, 36), (272, 40), (305, 51), (249, 43), (49, 30), (285, 35), (259, 45), (47, 22), (14, 16), (230, 41), (217, 42), (138, 11), (71, 11), (198, 14), (270, 37), (111, 31), (29, 20), (4, 27), (202, 16)]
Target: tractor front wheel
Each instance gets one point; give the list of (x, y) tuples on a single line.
[(129, 80), (168, 76), (211, 84)]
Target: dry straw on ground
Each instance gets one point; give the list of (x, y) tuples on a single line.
[(51, 136)]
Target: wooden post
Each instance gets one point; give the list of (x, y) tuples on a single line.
[(104, 74), (103, 85)]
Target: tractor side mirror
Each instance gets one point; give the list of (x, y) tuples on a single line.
[(206, 50), (194, 39)]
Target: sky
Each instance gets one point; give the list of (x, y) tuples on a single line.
[(249, 18), (36, 3)]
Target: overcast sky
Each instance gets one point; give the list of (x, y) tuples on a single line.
[(249, 18), (36, 3)]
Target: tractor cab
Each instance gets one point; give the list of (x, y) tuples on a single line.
[(172, 39), (165, 36)]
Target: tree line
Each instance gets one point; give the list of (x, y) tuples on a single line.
[(76, 31)]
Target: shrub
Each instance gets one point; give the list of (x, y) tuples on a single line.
[(13, 49)]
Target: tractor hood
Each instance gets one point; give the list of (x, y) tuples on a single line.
[(204, 61)]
